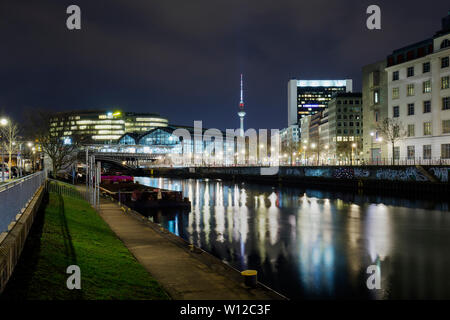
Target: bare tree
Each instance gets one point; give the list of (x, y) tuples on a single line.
[(392, 131), (10, 135), (54, 138)]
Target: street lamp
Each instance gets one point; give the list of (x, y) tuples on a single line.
[(353, 147), (3, 122), (313, 146)]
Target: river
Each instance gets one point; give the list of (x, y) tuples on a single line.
[(312, 244)]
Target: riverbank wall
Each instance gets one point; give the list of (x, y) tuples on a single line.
[(431, 180), (13, 241)]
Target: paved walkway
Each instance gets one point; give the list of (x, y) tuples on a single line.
[(182, 273)]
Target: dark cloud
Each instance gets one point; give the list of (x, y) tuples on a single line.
[(183, 58)]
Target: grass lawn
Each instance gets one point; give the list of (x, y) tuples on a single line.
[(69, 232)]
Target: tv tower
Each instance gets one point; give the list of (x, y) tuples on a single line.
[(241, 112)]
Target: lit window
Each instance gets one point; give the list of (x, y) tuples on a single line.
[(410, 130), (427, 128), (395, 93), (445, 82), (427, 86), (410, 89)]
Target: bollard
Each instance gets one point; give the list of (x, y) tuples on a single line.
[(250, 278)]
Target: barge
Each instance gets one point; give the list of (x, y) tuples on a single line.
[(124, 190)]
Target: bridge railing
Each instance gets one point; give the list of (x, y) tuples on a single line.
[(16, 195)]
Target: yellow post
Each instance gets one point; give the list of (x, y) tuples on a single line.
[(250, 277)]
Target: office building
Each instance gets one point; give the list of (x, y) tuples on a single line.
[(307, 97), (99, 127), (345, 126)]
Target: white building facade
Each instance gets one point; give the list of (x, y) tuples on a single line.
[(419, 98)]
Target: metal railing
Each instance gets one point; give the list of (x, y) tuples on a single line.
[(16, 195), (321, 162), (65, 189)]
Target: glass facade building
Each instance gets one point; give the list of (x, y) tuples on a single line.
[(308, 97), (99, 127)]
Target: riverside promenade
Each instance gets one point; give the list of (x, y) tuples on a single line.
[(185, 274)]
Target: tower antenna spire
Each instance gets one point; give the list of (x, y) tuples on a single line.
[(241, 112), (241, 103)]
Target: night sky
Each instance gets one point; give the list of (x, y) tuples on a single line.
[(182, 58)]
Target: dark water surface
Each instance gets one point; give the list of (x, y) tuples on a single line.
[(314, 244)]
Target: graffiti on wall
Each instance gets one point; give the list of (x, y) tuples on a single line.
[(440, 173), (297, 172), (317, 172), (407, 174), (344, 173), (361, 173)]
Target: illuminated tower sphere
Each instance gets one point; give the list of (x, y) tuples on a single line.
[(241, 112)]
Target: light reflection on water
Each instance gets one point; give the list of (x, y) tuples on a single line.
[(315, 244)]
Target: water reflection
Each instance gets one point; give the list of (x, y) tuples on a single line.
[(315, 244)]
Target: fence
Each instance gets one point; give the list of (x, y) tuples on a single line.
[(15, 197), (322, 162), (65, 189)]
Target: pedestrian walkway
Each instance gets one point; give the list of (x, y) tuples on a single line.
[(182, 273)]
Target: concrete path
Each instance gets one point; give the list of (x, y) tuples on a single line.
[(182, 273)]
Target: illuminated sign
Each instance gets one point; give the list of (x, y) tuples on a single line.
[(321, 83)]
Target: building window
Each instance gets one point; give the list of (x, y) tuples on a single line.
[(427, 106), (446, 103), (427, 151), (445, 44), (427, 86), (410, 130), (395, 93), (427, 128), (426, 67), (395, 76), (376, 116), (410, 89), (410, 109), (445, 82), (445, 151), (376, 97), (396, 153), (410, 72), (444, 62), (445, 126), (411, 151), (396, 111)]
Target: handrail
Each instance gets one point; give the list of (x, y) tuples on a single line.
[(15, 182), (16, 195)]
